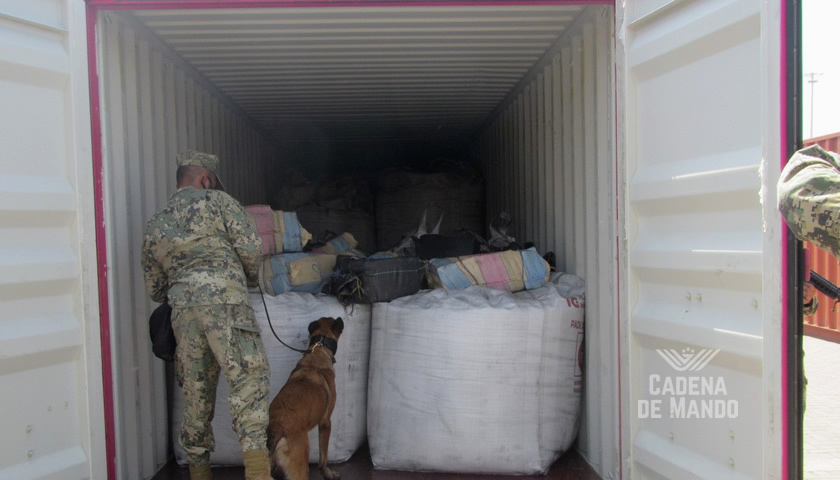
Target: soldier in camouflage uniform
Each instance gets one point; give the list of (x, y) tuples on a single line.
[(201, 252), (809, 199)]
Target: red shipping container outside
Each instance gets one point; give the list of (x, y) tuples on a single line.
[(825, 324)]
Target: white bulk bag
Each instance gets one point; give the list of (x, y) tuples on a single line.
[(291, 314), (475, 380)]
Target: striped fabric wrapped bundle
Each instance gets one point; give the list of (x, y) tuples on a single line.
[(280, 231), (264, 224), (289, 235), (511, 270), (296, 272)]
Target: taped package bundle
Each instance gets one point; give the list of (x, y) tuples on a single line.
[(511, 270), (279, 231), (290, 315), (475, 381), (295, 272)]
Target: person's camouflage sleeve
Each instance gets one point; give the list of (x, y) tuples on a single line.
[(809, 197), (198, 248), (157, 282)]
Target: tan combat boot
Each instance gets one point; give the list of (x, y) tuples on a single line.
[(257, 466), (201, 472)]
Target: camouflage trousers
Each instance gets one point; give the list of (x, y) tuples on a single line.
[(211, 339)]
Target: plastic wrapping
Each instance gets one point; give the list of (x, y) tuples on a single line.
[(290, 316), (370, 280), (279, 231), (475, 380)]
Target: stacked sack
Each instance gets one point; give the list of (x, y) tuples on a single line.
[(330, 207), (279, 231), (453, 193), (306, 272), (290, 315), (285, 267)]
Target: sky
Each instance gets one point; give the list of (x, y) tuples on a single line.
[(820, 56)]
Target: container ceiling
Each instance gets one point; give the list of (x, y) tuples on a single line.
[(429, 73)]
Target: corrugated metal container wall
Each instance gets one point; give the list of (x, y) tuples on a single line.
[(549, 159), (828, 142), (703, 252), (50, 369), (154, 106)]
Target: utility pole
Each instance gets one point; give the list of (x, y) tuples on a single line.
[(812, 79)]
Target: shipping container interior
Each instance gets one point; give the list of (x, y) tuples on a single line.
[(525, 94)]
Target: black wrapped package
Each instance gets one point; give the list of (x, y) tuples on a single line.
[(372, 280)]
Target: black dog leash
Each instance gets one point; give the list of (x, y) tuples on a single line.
[(272, 327)]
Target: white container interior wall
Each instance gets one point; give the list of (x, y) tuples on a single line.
[(155, 106), (547, 155), (548, 159)]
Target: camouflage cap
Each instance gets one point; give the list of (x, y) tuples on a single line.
[(200, 159)]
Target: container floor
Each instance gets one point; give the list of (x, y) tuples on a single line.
[(570, 466)]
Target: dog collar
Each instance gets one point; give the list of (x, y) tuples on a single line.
[(323, 341)]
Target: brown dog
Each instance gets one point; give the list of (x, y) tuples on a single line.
[(307, 399)]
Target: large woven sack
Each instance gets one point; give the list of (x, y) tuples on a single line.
[(293, 191), (322, 221), (476, 381), (404, 196)]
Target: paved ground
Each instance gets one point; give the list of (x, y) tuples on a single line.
[(822, 412)]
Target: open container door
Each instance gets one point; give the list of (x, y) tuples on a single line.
[(51, 371), (702, 369)]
